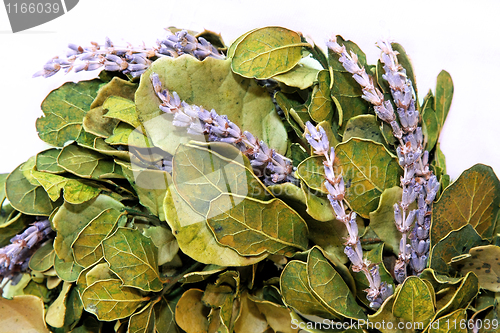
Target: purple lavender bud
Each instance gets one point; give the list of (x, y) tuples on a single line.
[(353, 257), (418, 263), (313, 131), (396, 130), (403, 119), (250, 138), (201, 54), (374, 272), (425, 157), (363, 79), (337, 208), (422, 233), (349, 64), (329, 174), (373, 98), (409, 219), (94, 66), (335, 47), (136, 67), (397, 216), (111, 67)]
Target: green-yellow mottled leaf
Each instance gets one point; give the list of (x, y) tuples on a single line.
[(116, 87), (312, 172), (24, 313), (124, 134), (67, 270), (455, 243), (109, 300), (87, 247), (384, 315), (455, 322), (201, 174), (46, 161), (134, 258), (329, 287), (87, 163), (254, 227), (444, 95), (364, 127), (142, 321), (321, 106), (243, 101), (64, 109), (301, 76), (25, 197), (297, 293), (122, 109), (484, 262), (430, 123), (43, 258), (57, 310), (474, 198), (414, 301), (165, 316), (95, 273), (464, 295), (266, 52), (71, 219), (382, 219), (95, 123), (195, 238), (330, 236)]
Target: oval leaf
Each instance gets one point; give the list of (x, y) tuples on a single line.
[(266, 52), (484, 262), (474, 198), (134, 258), (414, 301), (109, 300), (24, 312), (253, 227), (321, 107), (329, 287), (64, 109)]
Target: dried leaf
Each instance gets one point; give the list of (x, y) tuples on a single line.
[(46, 161), (450, 323), (43, 258), (414, 301), (109, 300), (364, 127), (24, 312), (64, 109), (143, 321), (134, 258), (190, 313), (165, 241), (121, 109), (444, 95), (321, 107), (57, 310), (463, 296), (266, 52), (301, 76), (484, 262), (116, 87), (474, 198), (67, 270)]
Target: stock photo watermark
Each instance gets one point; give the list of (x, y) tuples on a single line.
[(26, 14)]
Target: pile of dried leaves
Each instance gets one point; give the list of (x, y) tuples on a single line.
[(156, 230)]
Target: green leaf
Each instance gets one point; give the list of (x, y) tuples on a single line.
[(455, 243), (318, 205), (87, 163), (165, 316), (321, 107), (67, 270), (369, 169), (150, 186), (25, 197), (109, 300), (301, 76), (134, 258), (330, 236), (287, 105), (364, 127), (444, 95), (266, 52), (243, 101), (312, 172), (70, 219), (116, 87), (430, 124), (414, 301), (201, 174), (484, 263), (384, 315), (474, 198), (464, 295), (329, 287), (195, 238), (74, 308), (450, 323), (64, 109), (143, 321), (382, 219), (43, 258), (126, 135), (46, 161), (121, 109), (23, 313), (254, 227), (95, 123), (297, 293), (87, 247), (165, 241)]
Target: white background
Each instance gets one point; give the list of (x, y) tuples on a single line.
[(458, 36)]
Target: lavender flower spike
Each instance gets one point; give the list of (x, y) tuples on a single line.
[(267, 164), (378, 291)]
